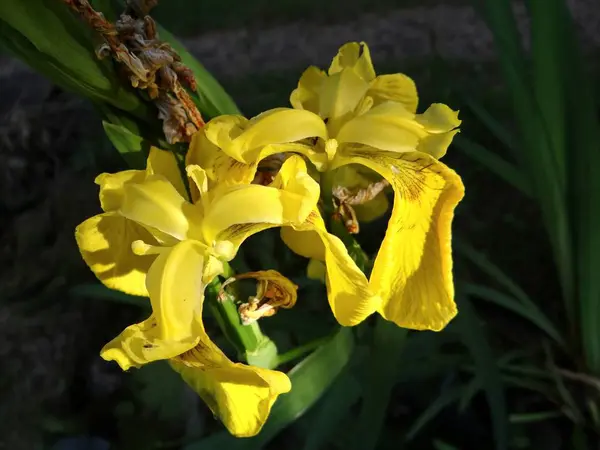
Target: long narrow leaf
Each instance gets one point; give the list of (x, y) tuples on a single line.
[(534, 315), (487, 370), (491, 161), (383, 365)]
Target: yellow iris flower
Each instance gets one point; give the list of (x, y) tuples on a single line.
[(151, 240), (350, 116)]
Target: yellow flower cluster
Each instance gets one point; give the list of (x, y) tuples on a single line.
[(159, 239)]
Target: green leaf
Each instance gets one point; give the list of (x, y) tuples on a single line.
[(311, 378), (383, 366), (440, 445), (476, 341), (505, 170), (212, 99), (160, 390), (533, 315), (442, 401), (332, 409), (534, 417), (48, 36), (101, 292), (133, 148)]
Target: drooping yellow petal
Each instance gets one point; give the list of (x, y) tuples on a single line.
[(140, 344), (304, 243), (397, 88), (105, 244), (157, 205), (306, 95), (240, 395), (316, 270), (354, 56), (162, 162), (243, 210), (176, 287), (413, 269), (243, 140), (350, 298)]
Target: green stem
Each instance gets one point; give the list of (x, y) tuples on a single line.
[(245, 338)]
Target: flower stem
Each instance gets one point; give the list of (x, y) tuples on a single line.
[(301, 350), (249, 341)]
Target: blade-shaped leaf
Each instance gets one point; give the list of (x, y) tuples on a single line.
[(487, 371), (383, 365)]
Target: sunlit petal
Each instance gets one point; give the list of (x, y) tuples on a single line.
[(348, 292), (354, 56), (439, 122), (243, 210), (240, 396), (140, 344), (176, 285), (111, 187), (156, 204), (413, 269), (162, 162), (397, 88), (244, 140), (105, 244)]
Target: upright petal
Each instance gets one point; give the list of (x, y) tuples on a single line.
[(243, 140), (413, 269), (111, 187), (240, 395), (397, 88), (354, 56), (105, 244), (162, 162), (340, 94), (156, 204), (306, 95)]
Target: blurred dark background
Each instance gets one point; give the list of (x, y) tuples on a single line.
[(53, 384)]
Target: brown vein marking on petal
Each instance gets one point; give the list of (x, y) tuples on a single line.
[(273, 291), (150, 64)]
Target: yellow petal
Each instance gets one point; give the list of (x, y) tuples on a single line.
[(176, 287), (241, 396), (439, 121), (413, 269), (348, 292), (316, 270), (240, 211), (389, 126), (340, 94), (306, 95), (140, 344), (243, 140), (397, 88), (355, 178), (105, 244), (373, 209), (157, 205), (162, 162), (111, 187), (354, 56), (304, 243)]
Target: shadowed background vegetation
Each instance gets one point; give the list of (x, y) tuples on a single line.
[(519, 368)]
